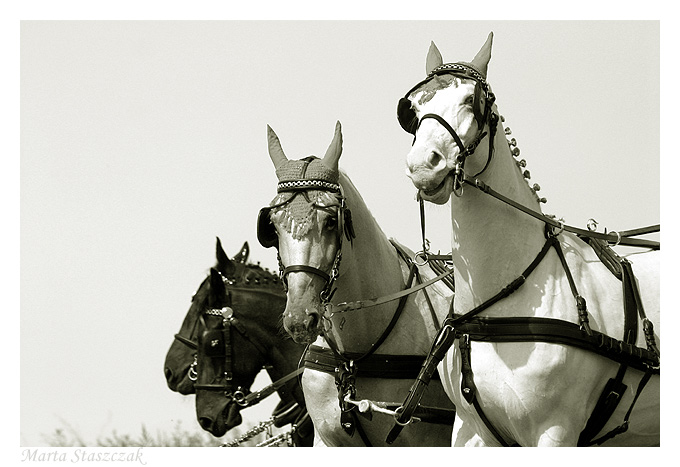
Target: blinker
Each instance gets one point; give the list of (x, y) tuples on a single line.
[(212, 343), (406, 115), (266, 232)]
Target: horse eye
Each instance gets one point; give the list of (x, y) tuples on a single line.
[(469, 100), (331, 223)]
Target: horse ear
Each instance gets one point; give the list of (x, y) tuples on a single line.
[(224, 264), (334, 151), (434, 59), (218, 291), (275, 150), (242, 256), (481, 60)]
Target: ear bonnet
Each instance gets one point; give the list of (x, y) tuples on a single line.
[(303, 186)]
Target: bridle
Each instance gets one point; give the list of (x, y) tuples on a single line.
[(482, 108), (217, 343), (268, 238)]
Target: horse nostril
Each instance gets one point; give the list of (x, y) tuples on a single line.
[(168, 374), (313, 321), (434, 159), (205, 423)]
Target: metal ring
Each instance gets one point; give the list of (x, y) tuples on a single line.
[(240, 398), (397, 412), (618, 237), (193, 374), (420, 254), (592, 225), (457, 187)]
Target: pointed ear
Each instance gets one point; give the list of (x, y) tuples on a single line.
[(224, 264), (334, 151), (481, 60), (434, 59), (242, 256), (218, 291), (275, 150)]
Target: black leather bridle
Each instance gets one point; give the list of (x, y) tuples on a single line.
[(217, 343), (267, 236), (482, 111)]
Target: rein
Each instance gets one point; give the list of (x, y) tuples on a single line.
[(618, 238)]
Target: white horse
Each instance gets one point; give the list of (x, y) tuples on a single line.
[(308, 225), (531, 393)]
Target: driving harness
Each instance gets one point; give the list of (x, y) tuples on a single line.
[(347, 366), (471, 327)]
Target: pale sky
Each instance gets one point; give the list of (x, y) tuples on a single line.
[(143, 141)]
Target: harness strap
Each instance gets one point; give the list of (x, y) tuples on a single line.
[(469, 389), (445, 339), (386, 332), (507, 290), (376, 366), (356, 305), (304, 268), (610, 237), (624, 426), (580, 301), (256, 397), (440, 346), (187, 342)]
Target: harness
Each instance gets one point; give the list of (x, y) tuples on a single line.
[(471, 327), (347, 366)]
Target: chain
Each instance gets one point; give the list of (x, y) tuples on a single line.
[(271, 441), (254, 431), (276, 440)]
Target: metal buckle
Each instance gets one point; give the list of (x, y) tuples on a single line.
[(458, 177)]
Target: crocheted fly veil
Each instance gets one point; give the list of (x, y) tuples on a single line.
[(304, 184), (299, 206)]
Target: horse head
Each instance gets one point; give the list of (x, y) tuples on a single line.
[(228, 362), (451, 114), (306, 220), (180, 361)]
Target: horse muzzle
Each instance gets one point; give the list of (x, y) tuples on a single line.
[(303, 324)]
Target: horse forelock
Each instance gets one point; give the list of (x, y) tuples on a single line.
[(428, 89)]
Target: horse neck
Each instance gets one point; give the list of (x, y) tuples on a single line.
[(369, 263), (493, 242), (369, 268)]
